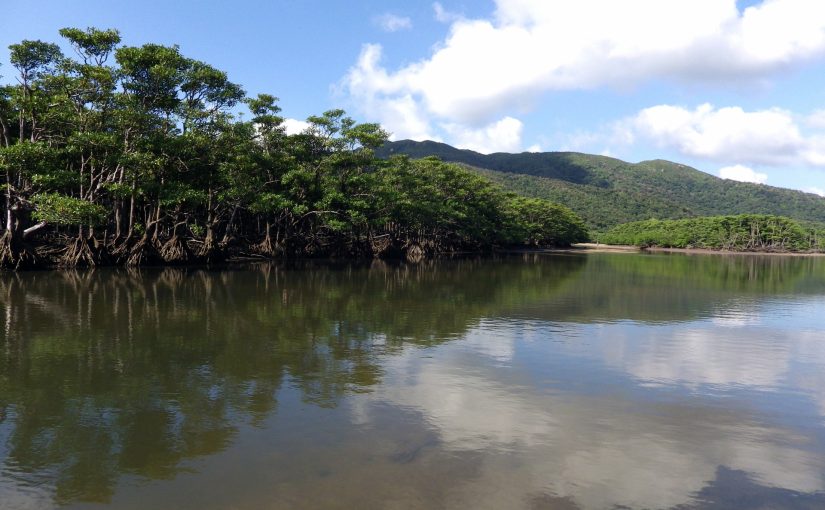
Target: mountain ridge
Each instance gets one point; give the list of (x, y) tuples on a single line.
[(607, 191)]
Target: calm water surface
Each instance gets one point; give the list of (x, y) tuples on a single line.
[(562, 382)]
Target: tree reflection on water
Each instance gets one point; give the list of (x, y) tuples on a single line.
[(109, 373)]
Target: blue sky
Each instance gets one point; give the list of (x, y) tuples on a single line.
[(736, 88)]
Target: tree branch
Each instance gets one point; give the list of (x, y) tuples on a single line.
[(31, 230)]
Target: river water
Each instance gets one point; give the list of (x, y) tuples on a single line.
[(540, 381)]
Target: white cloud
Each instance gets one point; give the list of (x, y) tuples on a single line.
[(742, 173), (442, 15), (393, 23), (487, 69), (816, 191), (578, 141), (816, 119), (501, 136), (399, 113), (767, 136), (295, 126), (764, 137)]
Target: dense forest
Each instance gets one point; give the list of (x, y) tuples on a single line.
[(140, 155), (607, 192), (744, 232)]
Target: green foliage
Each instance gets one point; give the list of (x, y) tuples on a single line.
[(29, 158), (150, 144), (62, 210), (58, 179), (537, 222), (151, 75), (118, 190), (34, 58), (446, 201), (196, 229), (92, 44), (745, 232), (607, 192), (179, 193)]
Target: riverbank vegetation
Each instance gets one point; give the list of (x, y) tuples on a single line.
[(745, 232), (139, 156)]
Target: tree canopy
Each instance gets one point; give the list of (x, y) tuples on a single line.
[(141, 155), (744, 232)]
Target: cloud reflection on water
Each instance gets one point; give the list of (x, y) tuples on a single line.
[(626, 448)]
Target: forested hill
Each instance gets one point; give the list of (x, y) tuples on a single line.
[(607, 191)]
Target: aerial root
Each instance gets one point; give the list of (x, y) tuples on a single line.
[(143, 253), (176, 251), (268, 247), (15, 254), (81, 252)]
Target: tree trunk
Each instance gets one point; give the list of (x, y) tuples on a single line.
[(227, 236), (14, 253), (131, 214), (118, 217), (5, 129)]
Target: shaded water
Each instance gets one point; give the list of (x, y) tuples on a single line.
[(562, 382)]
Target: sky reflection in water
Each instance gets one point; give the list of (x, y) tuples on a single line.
[(538, 382)]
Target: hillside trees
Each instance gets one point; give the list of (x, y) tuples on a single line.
[(607, 192)]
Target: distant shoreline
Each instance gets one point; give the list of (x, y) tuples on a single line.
[(610, 248), (577, 248)]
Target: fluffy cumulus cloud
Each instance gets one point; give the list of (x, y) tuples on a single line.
[(487, 69), (743, 174), (816, 191), (772, 137), (501, 136), (294, 126), (393, 23)]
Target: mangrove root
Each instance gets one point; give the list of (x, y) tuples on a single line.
[(268, 247), (211, 253), (82, 252), (15, 254), (176, 251), (144, 253)]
